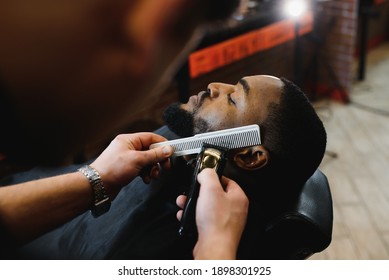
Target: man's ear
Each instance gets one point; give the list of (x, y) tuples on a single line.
[(251, 158)]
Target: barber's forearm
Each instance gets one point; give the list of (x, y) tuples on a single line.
[(30, 209)]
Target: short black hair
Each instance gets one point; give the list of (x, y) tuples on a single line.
[(296, 139)]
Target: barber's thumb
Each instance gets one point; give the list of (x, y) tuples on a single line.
[(209, 177), (160, 154)]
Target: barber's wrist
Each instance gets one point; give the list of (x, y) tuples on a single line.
[(101, 201), (215, 247)]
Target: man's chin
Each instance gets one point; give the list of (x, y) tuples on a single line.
[(178, 120)]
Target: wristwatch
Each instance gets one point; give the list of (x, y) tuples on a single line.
[(101, 201)]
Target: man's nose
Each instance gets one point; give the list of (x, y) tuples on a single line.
[(216, 89)]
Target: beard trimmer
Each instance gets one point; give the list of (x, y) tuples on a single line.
[(211, 156)]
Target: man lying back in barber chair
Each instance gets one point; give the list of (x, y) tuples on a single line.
[(290, 212)]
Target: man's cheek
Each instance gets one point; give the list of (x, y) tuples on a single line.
[(220, 121), (229, 120)]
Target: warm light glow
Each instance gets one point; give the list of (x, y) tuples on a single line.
[(295, 8)]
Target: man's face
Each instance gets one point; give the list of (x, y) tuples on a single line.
[(226, 106)]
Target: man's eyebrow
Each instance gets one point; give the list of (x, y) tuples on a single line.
[(245, 85)]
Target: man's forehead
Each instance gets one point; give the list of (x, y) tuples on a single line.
[(263, 79), (264, 90), (263, 83)]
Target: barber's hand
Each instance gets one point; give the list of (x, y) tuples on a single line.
[(220, 216), (128, 156)]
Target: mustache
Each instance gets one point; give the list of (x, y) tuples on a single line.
[(203, 95)]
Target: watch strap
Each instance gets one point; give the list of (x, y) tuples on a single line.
[(101, 201)]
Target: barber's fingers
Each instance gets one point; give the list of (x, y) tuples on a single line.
[(235, 192), (135, 148), (150, 172), (152, 161), (154, 156), (179, 214), (230, 185), (142, 140), (210, 179), (209, 176), (180, 201)]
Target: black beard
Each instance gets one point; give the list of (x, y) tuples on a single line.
[(178, 120), (184, 123)]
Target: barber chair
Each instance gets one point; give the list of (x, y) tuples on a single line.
[(305, 228)]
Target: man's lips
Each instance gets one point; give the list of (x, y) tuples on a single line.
[(200, 97), (194, 99)]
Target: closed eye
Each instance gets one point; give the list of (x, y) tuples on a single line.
[(230, 100)]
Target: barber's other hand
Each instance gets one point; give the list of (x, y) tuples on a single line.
[(128, 156), (220, 216)]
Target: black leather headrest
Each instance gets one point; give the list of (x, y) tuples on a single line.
[(306, 227)]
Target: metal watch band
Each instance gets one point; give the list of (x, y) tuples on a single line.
[(101, 201)]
